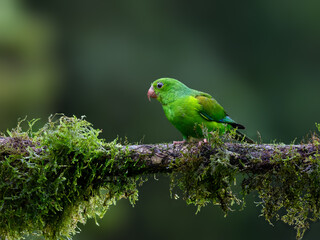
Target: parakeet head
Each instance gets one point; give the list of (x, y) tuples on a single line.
[(166, 90)]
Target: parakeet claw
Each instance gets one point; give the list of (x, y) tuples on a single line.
[(179, 142)]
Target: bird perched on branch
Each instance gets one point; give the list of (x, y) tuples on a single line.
[(192, 112)]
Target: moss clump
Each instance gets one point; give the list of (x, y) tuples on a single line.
[(290, 191), (202, 182), (61, 180)]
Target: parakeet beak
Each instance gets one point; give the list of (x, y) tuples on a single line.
[(151, 93)]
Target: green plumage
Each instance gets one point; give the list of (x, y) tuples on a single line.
[(191, 111)]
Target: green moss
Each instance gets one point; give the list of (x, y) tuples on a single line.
[(290, 191), (61, 175), (202, 182), (49, 190)]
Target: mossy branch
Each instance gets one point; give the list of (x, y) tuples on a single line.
[(161, 158), (62, 174), (249, 158)]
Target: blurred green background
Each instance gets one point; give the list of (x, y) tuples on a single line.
[(259, 59)]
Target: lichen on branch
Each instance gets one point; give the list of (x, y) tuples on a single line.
[(62, 174)]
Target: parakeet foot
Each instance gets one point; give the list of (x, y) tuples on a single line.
[(204, 141)]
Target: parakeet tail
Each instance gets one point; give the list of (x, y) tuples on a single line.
[(231, 122), (241, 137)]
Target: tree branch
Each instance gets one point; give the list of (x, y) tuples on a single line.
[(253, 158), (156, 158), (52, 179)]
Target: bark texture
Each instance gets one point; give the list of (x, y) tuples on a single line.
[(255, 158)]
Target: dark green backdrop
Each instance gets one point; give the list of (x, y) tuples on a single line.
[(259, 59)]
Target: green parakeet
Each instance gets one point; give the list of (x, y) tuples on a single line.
[(192, 111)]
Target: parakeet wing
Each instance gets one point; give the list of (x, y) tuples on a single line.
[(211, 110)]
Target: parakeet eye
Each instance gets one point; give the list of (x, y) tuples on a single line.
[(160, 85)]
